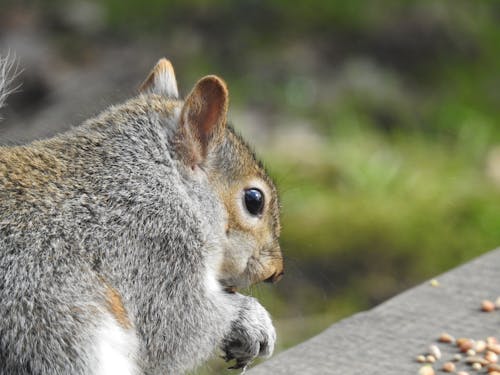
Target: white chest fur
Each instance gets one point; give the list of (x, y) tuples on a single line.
[(116, 349)]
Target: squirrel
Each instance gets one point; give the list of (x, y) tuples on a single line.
[(124, 241)]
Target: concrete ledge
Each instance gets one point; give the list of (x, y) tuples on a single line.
[(386, 339)]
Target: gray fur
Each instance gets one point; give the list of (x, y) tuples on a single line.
[(8, 71), (110, 200)]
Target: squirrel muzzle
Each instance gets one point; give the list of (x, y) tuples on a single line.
[(278, 272), (272, 266)]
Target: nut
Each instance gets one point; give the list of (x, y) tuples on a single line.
[(491, 356), (466, 345), (491, 340), (476, 366), (426, 370), (476, 359), (434, 350), (449, 367), (493, 367), (487, 306), (446, 338), (430, 359), (480, 346), (434, 283), (461, 340), (421, 358)]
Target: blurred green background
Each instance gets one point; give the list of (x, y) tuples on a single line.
[(379, 121)]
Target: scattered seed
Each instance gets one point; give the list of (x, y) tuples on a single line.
[(421, 359), (480, 346), (446, 338), (476, 359), (461, 340), (476, 366), (434, 350), (430, 359), (491, 340), (487, 306), (495, 348), (426, 370), (493, 367), (491, 356), (471, 352), (466, 345), (449, 367), (489, 349), (434, 283)]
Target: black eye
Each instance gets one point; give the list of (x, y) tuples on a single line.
[(254, 201)]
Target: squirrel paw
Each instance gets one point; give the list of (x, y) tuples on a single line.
[(252, 335)]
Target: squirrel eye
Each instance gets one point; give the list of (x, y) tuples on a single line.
[(254, 201)]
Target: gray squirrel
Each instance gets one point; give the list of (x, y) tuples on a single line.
[(123, 241)]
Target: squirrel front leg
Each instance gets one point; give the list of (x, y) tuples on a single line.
[(252, 334)]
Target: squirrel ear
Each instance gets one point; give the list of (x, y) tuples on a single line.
[(161, 80), (203, 118)]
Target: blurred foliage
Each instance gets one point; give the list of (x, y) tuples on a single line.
[(386, 123)]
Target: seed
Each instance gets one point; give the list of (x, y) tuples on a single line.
[(497, 302), (463, 341), (476, 359), (449, 367), (476, 366), (446, 338), (421, 358), (493, 367), (491, 340), (493, 373), (471, 352), (495, 348), (434, 283), (434, 350), (487, 305), (462, 373), (480, 346), (426, 370), (466, 345), (457, 357), (430, 359), (491, 356)]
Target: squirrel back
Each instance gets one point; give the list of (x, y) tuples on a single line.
[(126, 238)]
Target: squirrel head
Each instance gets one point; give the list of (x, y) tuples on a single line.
[(202, 140)]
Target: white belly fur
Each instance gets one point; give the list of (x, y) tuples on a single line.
[(116, 348)]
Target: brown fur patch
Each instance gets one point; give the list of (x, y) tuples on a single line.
[(29, 167), (116, 308)]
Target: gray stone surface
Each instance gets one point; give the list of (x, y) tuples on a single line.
[(386, 339)]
